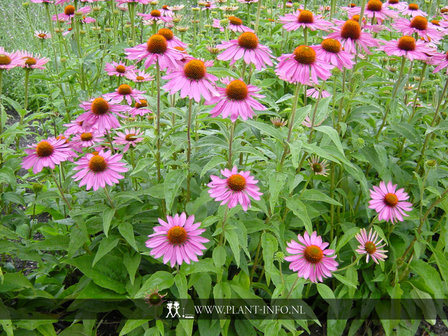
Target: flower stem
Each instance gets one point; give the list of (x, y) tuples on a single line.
[(394, 93), (221, 238), (190, 108), (106, 192), (27, 78), (291, 121), (158, 121), (257, 255), (257, 20), (292, 288), (232, 131), (433, 123), (60, 190)]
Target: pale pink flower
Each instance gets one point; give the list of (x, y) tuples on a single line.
[(235, 189), (374, 9), (408, 47), (46, 153), (139, 76), (85, 140), (128, 138), (42, 35), (389, 203), (29, 61), (303, 66), (418, 25), (318, 167), (69, 13), (97, 170), (236, 100), (304, 19), (310, 257), (350, 35), (124, 92), (316, 93), (118, 69), (101, 114), (140, 108), (441, 60), (330, 51), (155, 17), (172, 40), (156, 49), (248, 48), (9, 60), (193, 81), (413, 10), (370, 245), (178, 240)]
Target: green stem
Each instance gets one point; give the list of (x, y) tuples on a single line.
[(394, 93), (106, 192), (221, 238), (158, 121), (60, 190), (232, 131), (291, 122), (27, 77), (433, 123), (257, 255), (257, 20), (190, 108), (292, 288)]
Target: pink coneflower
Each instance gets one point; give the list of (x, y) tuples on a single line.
[(85, 140), (235, 188), (413, 10), (208, 5), (176, 8), (172, 40), (140, 108), (316, 93), (318, 167), (46, 153), (374, 9), (118, 69), (69, 13), (397, 5), (310, 257), (248, 1), (235, 24), (248, 48), (418, 25), (441, 60), (303, 66), (236, 100), (166, 11), (408, 47), (350, 35), (330, 51), (370, 245), (41, 1), (42, 35), (304, 19), (101, 114), (177, 240), (193, 81), (9, 60), (75, 127), (143, 2), (29, 61), (139, 77), (155, 17), (97, 170), (124, 92), (87, 19), (389, 203), (128, 138), (155, 49)]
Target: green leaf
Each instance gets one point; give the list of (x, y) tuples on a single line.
[(131, 325), (106, 245), (181, 283), (276, 184), (345, 280), (232, 238), (299, 209), (325, 291), (131, 263), (108, 214), (215, 161), (267, 129), (173, 181), (319, 196), (333, 135), (160, 280), (219, 256), (127, 232), (270, 246), (348, 235)]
